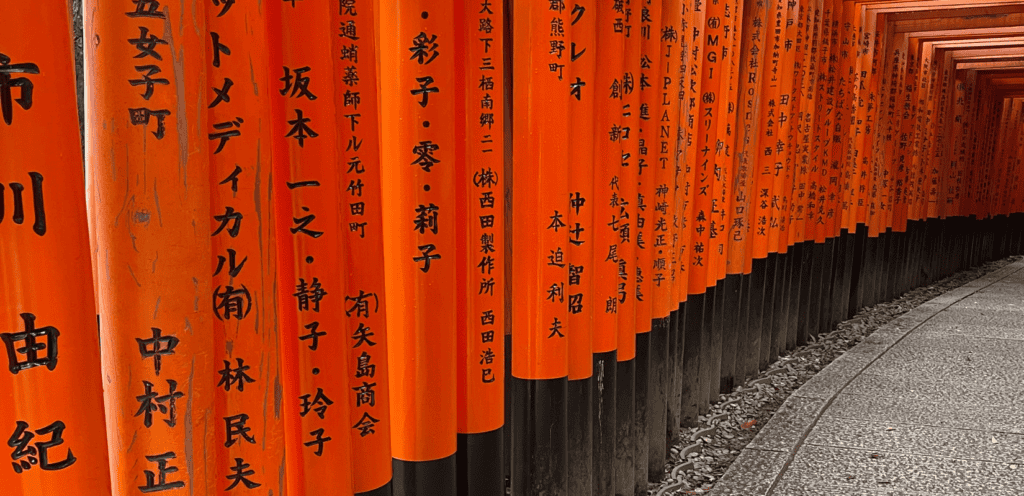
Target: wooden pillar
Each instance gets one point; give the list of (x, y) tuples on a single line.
[(666, 236), (358, 145), (663, 108), (312, 291), (608, 121), (53, 417), (728, 288), (582, 70), (647, 401), (149, 173), (420, 211), (540, 230), (249, 431), (742, 229), (685, 177), (625, 225), (480, 234)]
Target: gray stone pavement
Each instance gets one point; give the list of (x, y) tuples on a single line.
[(930, 404)]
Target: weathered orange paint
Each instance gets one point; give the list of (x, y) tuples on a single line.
[(540, 185), (804, 125), (685, 172), (241, 179), (149, 174), (45, 269), (650, 71), (627, 225), (823, 180), (360, 193), (789, 109), (311, 288), (608, 122), (481, 203), (422, 329), (666, 113), (748, 124), (580, 288), (765, 171), (702, 95), (727, 137)]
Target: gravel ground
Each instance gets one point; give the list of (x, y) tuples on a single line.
[(695, 465)]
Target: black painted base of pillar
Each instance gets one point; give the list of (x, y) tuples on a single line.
[(581, 437), (387, 490), (478, 460), (835, 295), (784, 327), (758, 358), (771, 287), (707, 359), (625, 439), (816, 303), (428, 478), (856, 279), (717, 344), (510, 403), (692, 394), (793, 288), (806, 251), (641, 412), (850, 252), (673, 414), (732, 299), (657, 400), (540, 437), (744, 337), (780, 306), (603, 395), (828, 271)]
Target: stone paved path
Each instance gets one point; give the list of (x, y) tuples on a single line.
[(930, 404)]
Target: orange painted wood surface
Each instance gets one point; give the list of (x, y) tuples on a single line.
[(627, 223), (650, 74), (700, 144), (742, 230), (310, 224), (311, 289), (480, 229), (247, 352), (148, 168), (608, 123), (583, 92), (540, 183), (664, 234), (419, 211), (52, 417), (360, 189)]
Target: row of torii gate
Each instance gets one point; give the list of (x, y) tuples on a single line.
[(376, 247)]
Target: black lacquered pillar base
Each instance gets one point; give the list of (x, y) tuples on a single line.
[(692, 394), (540, 437), (429, 478), (581, 437), (479, 458), (604, 414)]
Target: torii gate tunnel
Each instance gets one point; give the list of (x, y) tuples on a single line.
[(412, 247)]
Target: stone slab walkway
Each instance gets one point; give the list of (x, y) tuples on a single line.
[(931, 404)]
